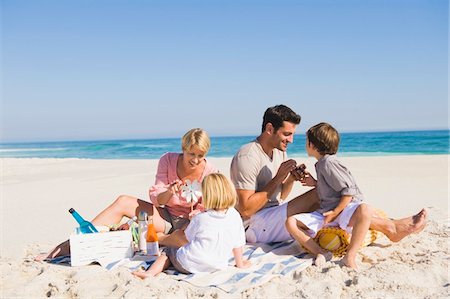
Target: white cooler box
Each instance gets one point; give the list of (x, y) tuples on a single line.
[(103, 248)]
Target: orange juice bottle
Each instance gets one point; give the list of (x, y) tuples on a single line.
[(152, 239)]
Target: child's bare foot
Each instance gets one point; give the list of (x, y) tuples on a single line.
[(350, 262), (245, 264), (142, 274), (322, 258)]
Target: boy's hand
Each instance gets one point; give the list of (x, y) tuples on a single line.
[(299, 172), (308, 180), (329, 216)]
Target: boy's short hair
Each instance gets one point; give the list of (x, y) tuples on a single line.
[(196, 137), (324, 137), (218, 192), (276, 115)]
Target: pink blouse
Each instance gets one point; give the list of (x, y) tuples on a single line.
[(166, 174)]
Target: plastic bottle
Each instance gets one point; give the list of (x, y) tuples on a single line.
[(85, 226), (142, 229), (152, 239)]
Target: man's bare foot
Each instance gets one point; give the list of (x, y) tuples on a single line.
[(407, 226), (322, 258)]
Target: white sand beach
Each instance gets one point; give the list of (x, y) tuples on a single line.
[(37, 193)]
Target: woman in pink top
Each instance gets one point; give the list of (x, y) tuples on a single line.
[(170, 210), (174, 170)]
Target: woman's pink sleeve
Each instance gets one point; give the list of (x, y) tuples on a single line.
[(161, 180), (210, 169)]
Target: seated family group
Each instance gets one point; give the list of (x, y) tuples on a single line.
[(202, 236)]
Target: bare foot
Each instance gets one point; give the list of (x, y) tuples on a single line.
[(60, 250), (409, 225), (142, 274), (349, 262), (322, 258), (41, 257)]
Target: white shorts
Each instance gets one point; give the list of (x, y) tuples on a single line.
[(314, 221), (268, 225)]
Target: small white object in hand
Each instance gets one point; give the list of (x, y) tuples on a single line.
[(191, 191)]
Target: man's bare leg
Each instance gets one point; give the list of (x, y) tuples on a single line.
[(304, 203), (397, 229), (394, 229)]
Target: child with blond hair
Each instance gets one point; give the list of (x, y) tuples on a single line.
[(341, 201), (211, 238)]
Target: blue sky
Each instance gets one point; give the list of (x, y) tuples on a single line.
[(108, 69)]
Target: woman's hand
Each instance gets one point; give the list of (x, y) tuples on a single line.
[(172, 189), (193, 213), (175, 187)]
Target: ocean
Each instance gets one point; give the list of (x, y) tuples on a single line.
[(352, 144)]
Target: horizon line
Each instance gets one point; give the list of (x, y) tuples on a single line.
[(214, 136)]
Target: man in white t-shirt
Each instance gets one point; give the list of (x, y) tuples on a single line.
[(263, 178)]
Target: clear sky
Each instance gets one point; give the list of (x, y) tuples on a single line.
[(109, 69)]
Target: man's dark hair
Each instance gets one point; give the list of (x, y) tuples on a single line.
[(276, 115)]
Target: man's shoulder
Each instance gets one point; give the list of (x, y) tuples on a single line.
[(245, 160), (251, 149)]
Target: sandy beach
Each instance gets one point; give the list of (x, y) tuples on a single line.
[(37, 193)]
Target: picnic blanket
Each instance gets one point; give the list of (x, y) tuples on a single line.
[(268, 261)]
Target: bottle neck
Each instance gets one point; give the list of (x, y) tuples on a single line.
[(77, 217)]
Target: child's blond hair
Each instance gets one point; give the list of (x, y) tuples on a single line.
[(218, 192)]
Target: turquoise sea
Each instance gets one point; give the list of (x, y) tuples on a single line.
[(352, 144)]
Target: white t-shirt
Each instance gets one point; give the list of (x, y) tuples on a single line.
[(212, 236), (252, 169)]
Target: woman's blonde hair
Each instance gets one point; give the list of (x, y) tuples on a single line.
[(218, 192), (196, 137)]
